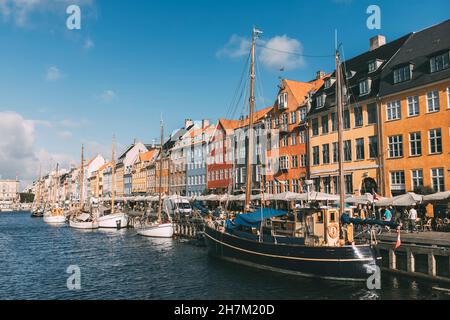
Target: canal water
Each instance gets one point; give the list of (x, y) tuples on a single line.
[(34, 258)]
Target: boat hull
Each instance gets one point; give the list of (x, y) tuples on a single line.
[(164, 230), (89, 225), (111, 221), (54, 219), (347, 263)]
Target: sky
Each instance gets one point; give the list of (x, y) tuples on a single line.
[(135, 61)]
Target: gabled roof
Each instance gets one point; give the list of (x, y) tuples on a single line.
[(418, 50), (147, 156), (230, 125), (300, 90), (360, 70)]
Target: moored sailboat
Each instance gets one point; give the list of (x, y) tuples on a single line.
[(314, 242), (55, 214)]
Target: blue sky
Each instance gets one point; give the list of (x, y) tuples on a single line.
[(132, 60)]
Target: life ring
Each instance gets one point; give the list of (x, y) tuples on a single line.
[(333, 231)]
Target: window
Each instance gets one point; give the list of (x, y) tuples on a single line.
[(433, 101), (316, 156), (360, 149), (349, 184), (334, 125), (417, 178), (284, 118), (398, 180), (325, 124), (373, 66), (448, 97), (278, 187), (335, 152), (294, 139), (413, 106), (302, 137), (373, 147), (439, 62), (315, 126), (402, 74), (395, 144), (316, 184), (276, 122), (320, 100), (435, 139), (372, 113), (327, 184), (282, 100), (347, 150), (294, 162), (393, 110), (285, 141), (437, 179), (326, 153), (303, 160), (293, 115), (346, 119), (415, 144), (358, 116), (364, 87), (295, 185), (302, 114), (284, 163), (287, 186)]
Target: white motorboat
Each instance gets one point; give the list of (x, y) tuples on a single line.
[(157, 230), (83, 221), (114, 220), (55, 216)]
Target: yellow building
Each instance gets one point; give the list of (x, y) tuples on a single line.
[(415, 98), (139, 172), (119, 179)]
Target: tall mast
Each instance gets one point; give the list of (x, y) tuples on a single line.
[(38, 192), (113, 174), (339, 112), (249, 162), (55, 196), (160, 171), (82, 176)]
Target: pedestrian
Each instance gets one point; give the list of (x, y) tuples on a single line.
[(387, 214), (363, 213), (412, 219)]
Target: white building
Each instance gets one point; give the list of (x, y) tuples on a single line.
[(9, 194)]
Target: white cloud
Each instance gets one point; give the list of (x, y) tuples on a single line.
[(19, 11), (277, 52), (108, 96), (17, 152), (65, 135), (236, 47), (53, 74), (88, 44), (282, 52)]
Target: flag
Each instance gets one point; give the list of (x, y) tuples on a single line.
[(399, 241)]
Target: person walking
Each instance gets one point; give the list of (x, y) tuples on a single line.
[(387, 214), (412, 219)]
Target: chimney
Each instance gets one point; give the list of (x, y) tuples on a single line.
[(377, 41), (188, 123), (320, 74), (205, 123)]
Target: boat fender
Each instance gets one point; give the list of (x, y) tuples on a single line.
[(333, 232)]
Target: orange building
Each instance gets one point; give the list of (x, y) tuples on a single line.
[(139, 174), (288, 118), (415, 112)]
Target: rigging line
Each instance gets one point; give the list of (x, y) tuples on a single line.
[(236, 92), (260, 84), (295, 53), (344, 76)]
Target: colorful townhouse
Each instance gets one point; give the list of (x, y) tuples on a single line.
[(124, 167), (139, 174), (415, 113), (219, 168), (286, 124), (361, 79), (196, 157)]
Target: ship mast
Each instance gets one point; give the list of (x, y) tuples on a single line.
[(113, 173), (82, 177), (55, 186), (38, 200), (160, 172), (249, 158), (339, 112)]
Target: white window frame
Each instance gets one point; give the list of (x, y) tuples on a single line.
[(397, 180), (395, 145), (415, 141), (402, 74), (435, 138), (283, 100), (413, 104), (416, 176), (433, 101), (320, 100), (393, 110), (434, 65), (364, 87), (433, 176)]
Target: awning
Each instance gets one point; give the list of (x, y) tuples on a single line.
[(253, 220), (437, 196)]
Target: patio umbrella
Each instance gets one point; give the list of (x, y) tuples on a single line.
[(363, 199), (317, 196), (404, 200), (437, 196)]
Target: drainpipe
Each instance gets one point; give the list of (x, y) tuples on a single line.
[(381, 162)]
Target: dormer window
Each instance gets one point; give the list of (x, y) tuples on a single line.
[(403, 73), (439, 62), (350, 74), (329, 82), (374, 65), (320, 100), (282, 100), (364, 87)]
